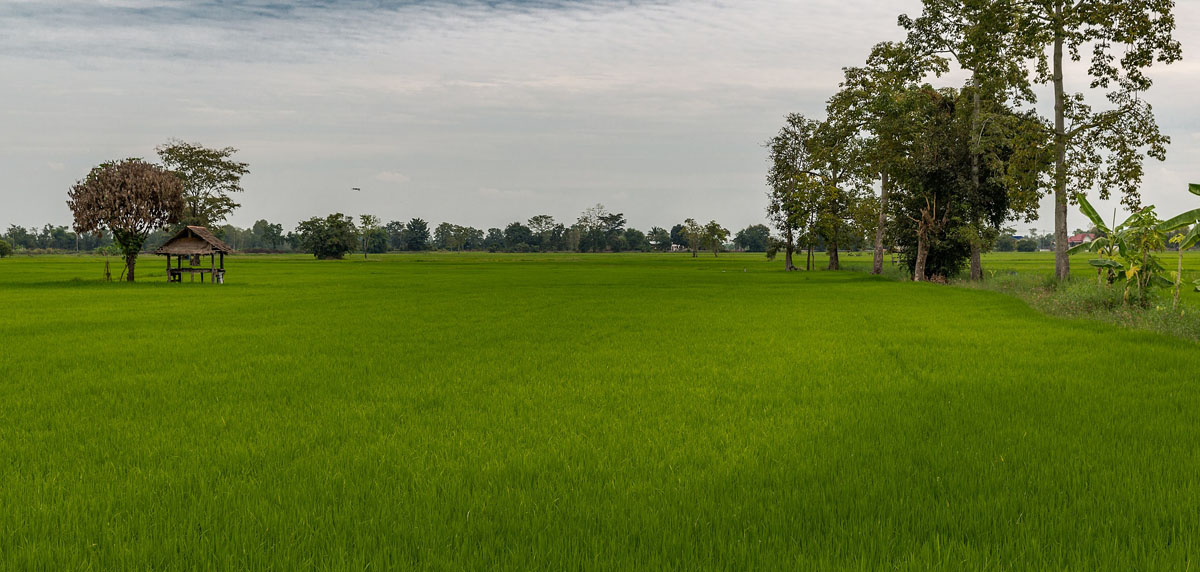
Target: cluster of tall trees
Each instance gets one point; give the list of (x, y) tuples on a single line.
[(954, 163)]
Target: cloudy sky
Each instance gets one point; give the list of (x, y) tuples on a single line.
[(478, 112)]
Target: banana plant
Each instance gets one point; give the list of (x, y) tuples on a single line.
[(1107, 246), (1185, 241), (1125, 251)]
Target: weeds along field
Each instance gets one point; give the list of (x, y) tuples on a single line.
[(571, 412)]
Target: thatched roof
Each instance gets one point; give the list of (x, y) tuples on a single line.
[(193, 240)]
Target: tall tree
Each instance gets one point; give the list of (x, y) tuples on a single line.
[(837, 154), (267, 233), (982, 37), (328, 238), (754, 238), (793, 188), (209, 177), (368, 226), (695, 234), (1101, 150), (130, 199), (416, 235), (715, 236), (542, 227), (876, 100)]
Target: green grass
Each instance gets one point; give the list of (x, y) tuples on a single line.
[(572, 412)]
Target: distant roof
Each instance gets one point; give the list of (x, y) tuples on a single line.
[(193, 240)]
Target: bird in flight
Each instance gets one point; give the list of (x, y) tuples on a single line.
[(355, 189)]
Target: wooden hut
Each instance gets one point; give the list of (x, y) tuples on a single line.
[(193, 243)]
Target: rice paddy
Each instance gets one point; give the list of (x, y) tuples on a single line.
[(572, 412)]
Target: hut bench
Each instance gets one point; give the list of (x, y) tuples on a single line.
[(193, 242)]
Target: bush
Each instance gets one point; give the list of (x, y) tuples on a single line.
[(5, 248), (328, 238), (1027, 245)]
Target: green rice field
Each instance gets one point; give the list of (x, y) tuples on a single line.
[(581, 412)]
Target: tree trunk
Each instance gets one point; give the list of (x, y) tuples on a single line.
[(877, 265), (1062, 262), (787, 261), (922, 254), (834, 261), (976, 264), (976, 236), (130, 261), (808, 260)]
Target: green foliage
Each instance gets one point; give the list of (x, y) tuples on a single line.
[(209, 176), (453, 237), (374, 237), (416, 235), (754, 238), (1127, 251), (695, 234), (1006, 243), (5, 249), (715, 236), (1027, 245), (328, 238)]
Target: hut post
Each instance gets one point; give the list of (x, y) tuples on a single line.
[(212, 269)]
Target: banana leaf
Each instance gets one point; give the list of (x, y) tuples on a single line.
[(1161, 282), (1177, 222), (1090, 212), (1084, 247), (1107, 263), (1191, 239), (1194, 189)]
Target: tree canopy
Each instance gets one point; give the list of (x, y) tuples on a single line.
[(210, 176), (128, 198), (328, 238)]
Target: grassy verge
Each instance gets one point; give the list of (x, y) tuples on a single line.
[(1086, 299)]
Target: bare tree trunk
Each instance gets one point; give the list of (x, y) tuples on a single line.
[(834, 262), (922, 254), (809, 261), (1062, 262), (130, 261), (877, 265)]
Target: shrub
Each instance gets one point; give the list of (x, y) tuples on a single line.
[(328, 238), (5, 249)]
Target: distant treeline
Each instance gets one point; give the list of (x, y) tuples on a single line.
[(595, 231)]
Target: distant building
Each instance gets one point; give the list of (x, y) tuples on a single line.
[(1080, 239)]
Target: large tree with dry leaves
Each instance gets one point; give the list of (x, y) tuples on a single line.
[(130, 199)]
